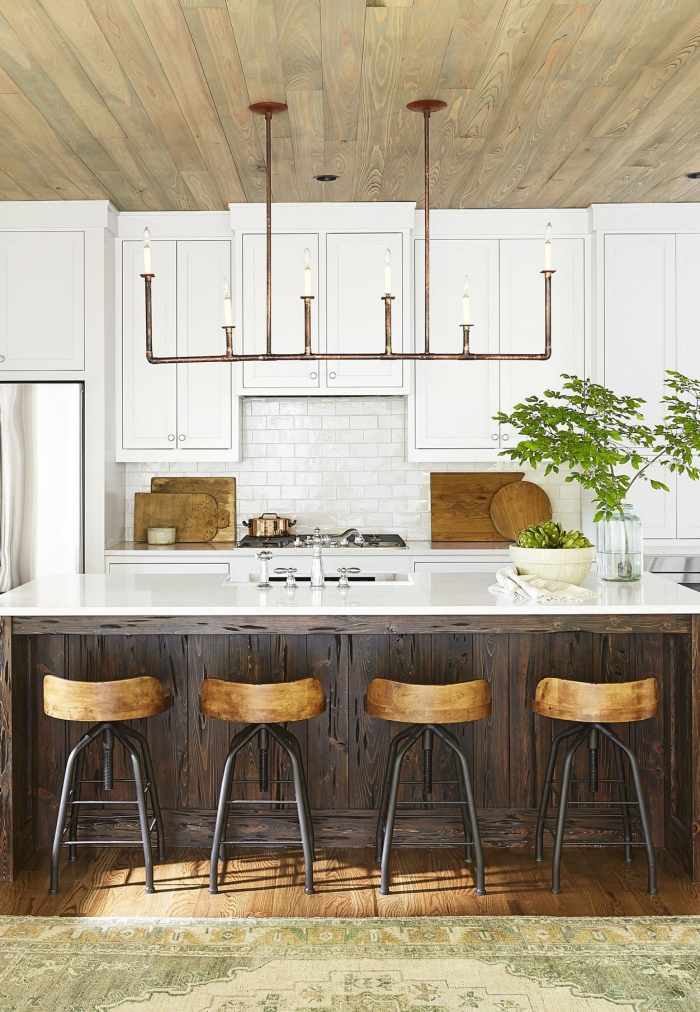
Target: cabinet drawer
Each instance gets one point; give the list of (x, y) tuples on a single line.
[(167, 568)]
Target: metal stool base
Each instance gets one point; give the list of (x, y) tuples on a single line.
[(67, 822), (591, 731), (400, 745), (290, 746)]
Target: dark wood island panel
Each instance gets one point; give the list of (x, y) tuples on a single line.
[(345, 749)]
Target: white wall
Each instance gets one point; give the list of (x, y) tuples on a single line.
[(336, 462)]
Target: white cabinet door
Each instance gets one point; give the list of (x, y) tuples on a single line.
[(688, 310), (287, 310), (455, 401), (522, 319), (355, 310), (149, 392), (640, 301), (656, 508), (42, 301), (204, 391)]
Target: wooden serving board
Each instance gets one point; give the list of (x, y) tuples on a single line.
[(460, 503), (197, 517), (221, 489), (519, 505)]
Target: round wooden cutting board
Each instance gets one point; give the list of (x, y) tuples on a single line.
[(518, 505)]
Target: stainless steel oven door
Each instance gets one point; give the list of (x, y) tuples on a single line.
[(683, 569)]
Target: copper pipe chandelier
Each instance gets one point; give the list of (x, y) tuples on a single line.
[(268, 110)]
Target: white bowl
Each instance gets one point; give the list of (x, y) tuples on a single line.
[(568, 565)]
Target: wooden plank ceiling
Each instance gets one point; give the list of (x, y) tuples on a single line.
[(550, 103)]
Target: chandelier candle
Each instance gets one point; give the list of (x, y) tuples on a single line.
[(548, 247), (465, 302), (146, 251), (228, 316), (307, 273), (387, 272)]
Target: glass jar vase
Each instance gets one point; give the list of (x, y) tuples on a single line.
[(619, 546)]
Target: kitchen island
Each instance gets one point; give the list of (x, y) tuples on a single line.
[(429, 628)]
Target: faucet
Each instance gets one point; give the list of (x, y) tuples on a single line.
[(264, 557), (317, 576), (343, 538)]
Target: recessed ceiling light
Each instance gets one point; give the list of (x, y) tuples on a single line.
[(327, 177), (692, 175)]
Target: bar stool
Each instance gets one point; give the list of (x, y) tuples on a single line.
[(592, 707), (108, 703), (427, 708), (263, 708)]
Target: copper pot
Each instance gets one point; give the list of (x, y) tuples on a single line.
[(269, 525)]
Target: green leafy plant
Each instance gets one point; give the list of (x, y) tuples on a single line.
[(550, 534), (603, 439)]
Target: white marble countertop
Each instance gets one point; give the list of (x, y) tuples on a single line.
[(424, 594)]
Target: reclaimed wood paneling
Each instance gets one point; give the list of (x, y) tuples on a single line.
[(549, 103), (345, 750)]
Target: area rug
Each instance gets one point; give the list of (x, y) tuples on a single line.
[(441, 964)]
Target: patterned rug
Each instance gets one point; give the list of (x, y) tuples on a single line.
[(441, 964)]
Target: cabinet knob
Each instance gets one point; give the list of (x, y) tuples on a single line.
[(171, 438), (494, 436), (331, 375), (504, 437), (2, 358), (181, 438), (312, 375)]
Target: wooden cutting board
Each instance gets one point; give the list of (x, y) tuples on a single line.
[(517, 506), (221, 489), (460, 503), (197, 517)]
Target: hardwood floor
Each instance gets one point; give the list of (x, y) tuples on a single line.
[(269, 883)]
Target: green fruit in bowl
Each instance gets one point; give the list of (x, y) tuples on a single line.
[(550, 534)]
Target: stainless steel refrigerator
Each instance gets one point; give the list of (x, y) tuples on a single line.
[(41, 481)]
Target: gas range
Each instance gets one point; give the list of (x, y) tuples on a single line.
[(299, 541)]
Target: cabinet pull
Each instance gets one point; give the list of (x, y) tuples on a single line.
[(312, 375), (2, 358), (504, 437), (331, 375), (494, 436), (181, 438), (171, 438)]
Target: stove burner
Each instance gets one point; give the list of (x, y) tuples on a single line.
[(287, 541)]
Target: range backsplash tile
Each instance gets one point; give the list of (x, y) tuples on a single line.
[(335, 462)]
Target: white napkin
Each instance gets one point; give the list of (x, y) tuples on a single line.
[(509, 581)]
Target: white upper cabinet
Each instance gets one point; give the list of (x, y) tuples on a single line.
[(203, 391), (287, 311), (656, 508), (688, 362), (522, 318), (177, 412), (42, 301), (355, 320), (640, 316), (454, 401)]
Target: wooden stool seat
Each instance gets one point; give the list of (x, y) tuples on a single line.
[(428, 704), (589, 703), (126, 699), (239, 702)]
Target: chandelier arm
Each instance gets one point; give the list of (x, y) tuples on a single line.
[(525, 356)]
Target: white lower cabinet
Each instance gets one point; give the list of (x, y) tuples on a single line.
[(168, 411)]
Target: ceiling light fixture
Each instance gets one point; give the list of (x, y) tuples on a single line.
[(268, 110)]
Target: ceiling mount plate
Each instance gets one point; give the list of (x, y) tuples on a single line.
[(426, 105), (267, 108)]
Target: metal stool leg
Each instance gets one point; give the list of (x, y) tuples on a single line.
[(466, 823), (141, 803), (237, 743), (63, 803), (303, 808), (152, 789), (75, 804), (547, 786), (293, 743), (401, 751), (386, 787), (561, 814), (462, 763), (622, 788), (643, 817)]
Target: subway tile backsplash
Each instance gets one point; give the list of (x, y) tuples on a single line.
[(335, 462)]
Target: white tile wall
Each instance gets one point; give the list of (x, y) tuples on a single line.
[(336, 462)]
